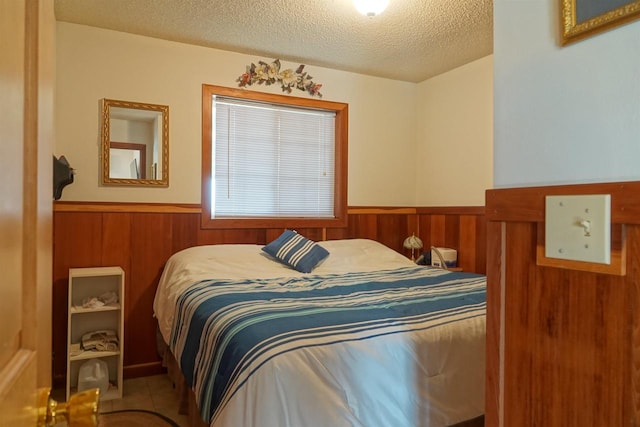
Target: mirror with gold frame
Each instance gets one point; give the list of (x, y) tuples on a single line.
[(583, 18), (135, 143)]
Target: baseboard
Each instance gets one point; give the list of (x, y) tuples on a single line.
[(143, 370)]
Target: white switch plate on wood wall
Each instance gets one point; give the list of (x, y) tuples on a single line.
[(578, 228)]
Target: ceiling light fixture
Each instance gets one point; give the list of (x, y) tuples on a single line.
[(371, 7)]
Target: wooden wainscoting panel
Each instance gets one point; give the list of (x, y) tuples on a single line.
[(338, 233), (273, 233), (184, 231), (392, 230), (151, 246), (632, 387), (438, 230), (363, 226), (466, 232), (142, 238), (452, 231), (413, 225), (519, 237), (314, 234), (467, 242), (424, 225), (77, 239), (577, 321), (237, 235), (77, 242), (561, 329), (568, 340), (481, 245), (116, 235), (493, 387)]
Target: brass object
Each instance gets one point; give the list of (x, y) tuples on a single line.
[(80, 411), (574, 29), (154, 167)]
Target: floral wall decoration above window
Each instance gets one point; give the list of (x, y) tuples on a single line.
[(269, 74)]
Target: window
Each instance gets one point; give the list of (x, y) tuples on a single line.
[(272, 160)]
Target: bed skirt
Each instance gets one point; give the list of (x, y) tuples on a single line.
[(187, 398)]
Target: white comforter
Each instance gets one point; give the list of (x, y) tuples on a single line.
[(415, 379)]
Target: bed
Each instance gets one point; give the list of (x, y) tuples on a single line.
[(367, 338)]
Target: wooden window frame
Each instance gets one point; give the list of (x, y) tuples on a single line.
[(341, 111)]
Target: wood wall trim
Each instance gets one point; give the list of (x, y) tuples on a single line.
[(419, 210), (527, 204), (126, 207), (64, 206), (451, 210), (389, 210)]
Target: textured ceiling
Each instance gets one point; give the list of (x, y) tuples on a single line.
[(412, 40)]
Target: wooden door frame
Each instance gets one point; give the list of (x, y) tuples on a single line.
[(25, 351)]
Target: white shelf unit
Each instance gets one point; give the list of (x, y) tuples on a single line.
[(89, 283)]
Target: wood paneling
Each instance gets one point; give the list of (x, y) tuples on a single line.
[(151, 246), (632, 387), (116, 232), (76, 243), (140, 239), (562, 345), (494, 325), (182, 235), (463, 229)]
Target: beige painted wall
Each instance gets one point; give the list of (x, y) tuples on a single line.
[(564, 114), (388, 119), (454, 155)]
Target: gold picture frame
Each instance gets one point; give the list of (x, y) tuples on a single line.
[(578, 24)]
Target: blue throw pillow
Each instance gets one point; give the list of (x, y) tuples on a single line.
[(296, 251)]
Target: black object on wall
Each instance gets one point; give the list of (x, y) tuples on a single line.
[(62, 176)]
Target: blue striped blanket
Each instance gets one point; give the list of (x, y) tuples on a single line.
[(225, 330)]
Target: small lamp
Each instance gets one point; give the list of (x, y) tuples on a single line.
[(412, 242), (371, 7)]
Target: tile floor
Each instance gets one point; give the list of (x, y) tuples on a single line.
[(155, 393)]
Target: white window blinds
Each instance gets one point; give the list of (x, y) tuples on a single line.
[(271, 160)]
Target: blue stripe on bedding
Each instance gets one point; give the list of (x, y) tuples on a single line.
[(224, 331)]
